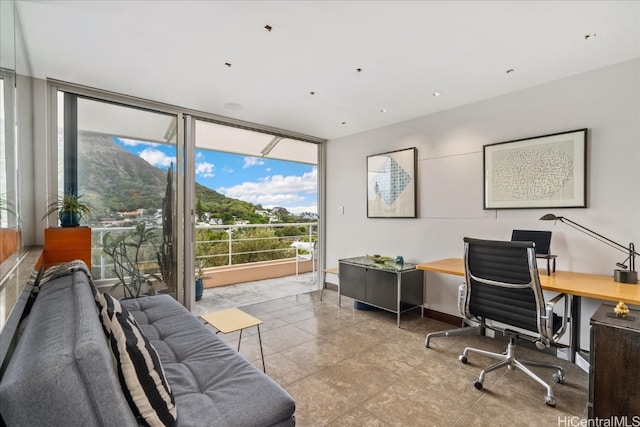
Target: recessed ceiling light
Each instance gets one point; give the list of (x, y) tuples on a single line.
[(436, 94), (590, 36), (383, 110), (510, 70), (268, 27), (344, 123), (312, 93)]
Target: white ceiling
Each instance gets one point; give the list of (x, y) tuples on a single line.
[(175, 52)]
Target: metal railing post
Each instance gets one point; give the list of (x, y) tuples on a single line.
[(102, 265), (230, 232)]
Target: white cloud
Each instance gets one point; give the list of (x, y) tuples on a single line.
[(134, 142), (227, 169), (156, 157), (252, 161), (276, 190), (205, 169), (300, 209)]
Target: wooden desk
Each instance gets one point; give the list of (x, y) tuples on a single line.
[(575, 284)]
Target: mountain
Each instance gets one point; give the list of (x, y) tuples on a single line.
[(115, 180)]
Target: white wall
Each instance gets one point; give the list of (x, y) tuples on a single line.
[(450, 182)]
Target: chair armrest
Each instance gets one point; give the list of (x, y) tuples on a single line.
[(550, 305)]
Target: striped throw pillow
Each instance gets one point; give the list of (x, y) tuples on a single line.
[(139, 369)]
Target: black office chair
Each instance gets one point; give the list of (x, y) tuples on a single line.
[(503, 293), (542, 239)]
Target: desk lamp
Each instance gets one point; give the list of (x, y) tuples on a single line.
[(621, 275)]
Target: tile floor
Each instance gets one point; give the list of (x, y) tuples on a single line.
[(347, 367)]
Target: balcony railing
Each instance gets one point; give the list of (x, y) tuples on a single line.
[(226, 245)]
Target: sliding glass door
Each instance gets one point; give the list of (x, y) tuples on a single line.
[(123, 161), (254, 204)]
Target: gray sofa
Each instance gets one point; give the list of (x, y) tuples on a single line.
[(61, 372)]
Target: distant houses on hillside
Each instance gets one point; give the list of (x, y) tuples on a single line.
[(153, 218)]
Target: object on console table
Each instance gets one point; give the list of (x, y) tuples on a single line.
[(380, 259), (621, 311)]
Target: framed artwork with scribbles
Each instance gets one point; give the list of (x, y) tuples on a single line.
[(391, 184), (548, 171)]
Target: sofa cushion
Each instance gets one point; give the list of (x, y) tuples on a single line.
[(139, 369), (61, 372), (213, 385)]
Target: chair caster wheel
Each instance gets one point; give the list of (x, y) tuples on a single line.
[(559, 378), (550, 401), (478, 385), (463, 359)]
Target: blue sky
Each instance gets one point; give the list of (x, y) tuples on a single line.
[(253, 179)]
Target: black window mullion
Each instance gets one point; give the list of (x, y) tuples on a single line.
[(70, 143)]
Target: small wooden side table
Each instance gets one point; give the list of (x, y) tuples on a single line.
[(231, 320), (333, 270)]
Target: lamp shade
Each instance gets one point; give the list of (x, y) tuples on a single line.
[(550, 217)]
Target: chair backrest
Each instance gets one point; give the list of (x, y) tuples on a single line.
[(502, 283), (542, 239)]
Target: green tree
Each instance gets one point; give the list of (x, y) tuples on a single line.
[(199, 210)]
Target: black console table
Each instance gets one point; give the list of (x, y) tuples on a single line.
[(389, 286)]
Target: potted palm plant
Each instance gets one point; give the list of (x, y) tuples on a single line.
[(200, 279), (71, 209)]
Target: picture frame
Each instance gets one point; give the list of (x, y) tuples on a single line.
[(391, 184), (548, 171)]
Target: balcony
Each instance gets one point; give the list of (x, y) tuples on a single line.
[(233, 254), (254, 292)]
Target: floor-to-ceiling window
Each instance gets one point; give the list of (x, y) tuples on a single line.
[(9, 206), (139, 163), (122, 161)]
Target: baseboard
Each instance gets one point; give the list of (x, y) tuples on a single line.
[(582, 360), (443, 317), (331, 286)]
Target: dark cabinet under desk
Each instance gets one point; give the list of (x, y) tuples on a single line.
[(392, 287), (614, 388)]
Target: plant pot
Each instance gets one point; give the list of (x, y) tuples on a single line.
[(199, 289), (69, 219)]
